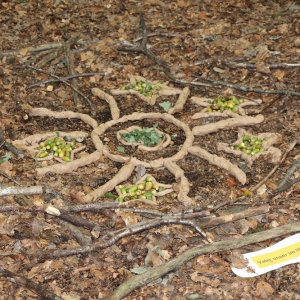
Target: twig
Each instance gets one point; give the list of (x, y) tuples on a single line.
[(22, 190), (234, 65), (10, 147), (290, 148), (152, 274), (157, 34), (70, 65), (45, 47), (63, 78), (289, 174), (57, 52), (3, 174), (93, 111), (246, 88), (38, 289)]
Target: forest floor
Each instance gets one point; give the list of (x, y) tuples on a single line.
[(54, 243)]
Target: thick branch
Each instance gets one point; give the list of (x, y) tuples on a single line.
[(139, 280)]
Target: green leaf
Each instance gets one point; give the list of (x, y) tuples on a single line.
[(5, 158), (57, 133), (147, 136), (165, 105), (121, 149)]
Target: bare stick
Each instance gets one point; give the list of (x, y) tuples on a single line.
[(63, 78), (136, 281), (70, 65), (10, 147), (248, 89), (56, 53), (38, 289)]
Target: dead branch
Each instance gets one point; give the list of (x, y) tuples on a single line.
[(21, 190), (38, 289), (246, 88), (63, 78), (57, 52), (10, 147), (255, 211), (236, 65), (41, 48), (70, 65), (152, 274)]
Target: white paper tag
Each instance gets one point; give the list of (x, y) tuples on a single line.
[(281, 254)]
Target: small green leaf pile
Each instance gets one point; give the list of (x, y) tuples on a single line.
[(222, 103), (5, 158), (250, 146), (58, 147), (144, 190), (145, 88), (148, 136)]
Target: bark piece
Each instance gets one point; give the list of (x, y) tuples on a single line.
[(44, 112), (115, 112), (184, 185), (180, 102), (227, 124), (220, 162)]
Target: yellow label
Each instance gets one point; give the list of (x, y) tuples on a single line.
[(277, 256)]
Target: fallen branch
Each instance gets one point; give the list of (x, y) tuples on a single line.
[(63, 78), (38, 289), (152, 274)]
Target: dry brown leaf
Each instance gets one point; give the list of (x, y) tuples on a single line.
[(264, 290)]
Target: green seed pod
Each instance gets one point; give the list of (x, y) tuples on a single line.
[(141, 186), (42, 144), (148, 178), (142, 196), (241, 145), (248, 152), (132, 193), (155, 186), (246, 138), (153, 192), (261, 150), (62, 153), (120, 199), (54, 148), (149, 197), (44, 154), (56, 153), (148, 186), (161, 188), (133, 188), (66, 159), (123, 88), (123, 191), (132, 197), (139, 192), (209, 109)]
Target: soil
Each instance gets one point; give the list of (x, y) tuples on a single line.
[(207, 38)]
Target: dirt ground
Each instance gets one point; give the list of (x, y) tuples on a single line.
[(249, 49)]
